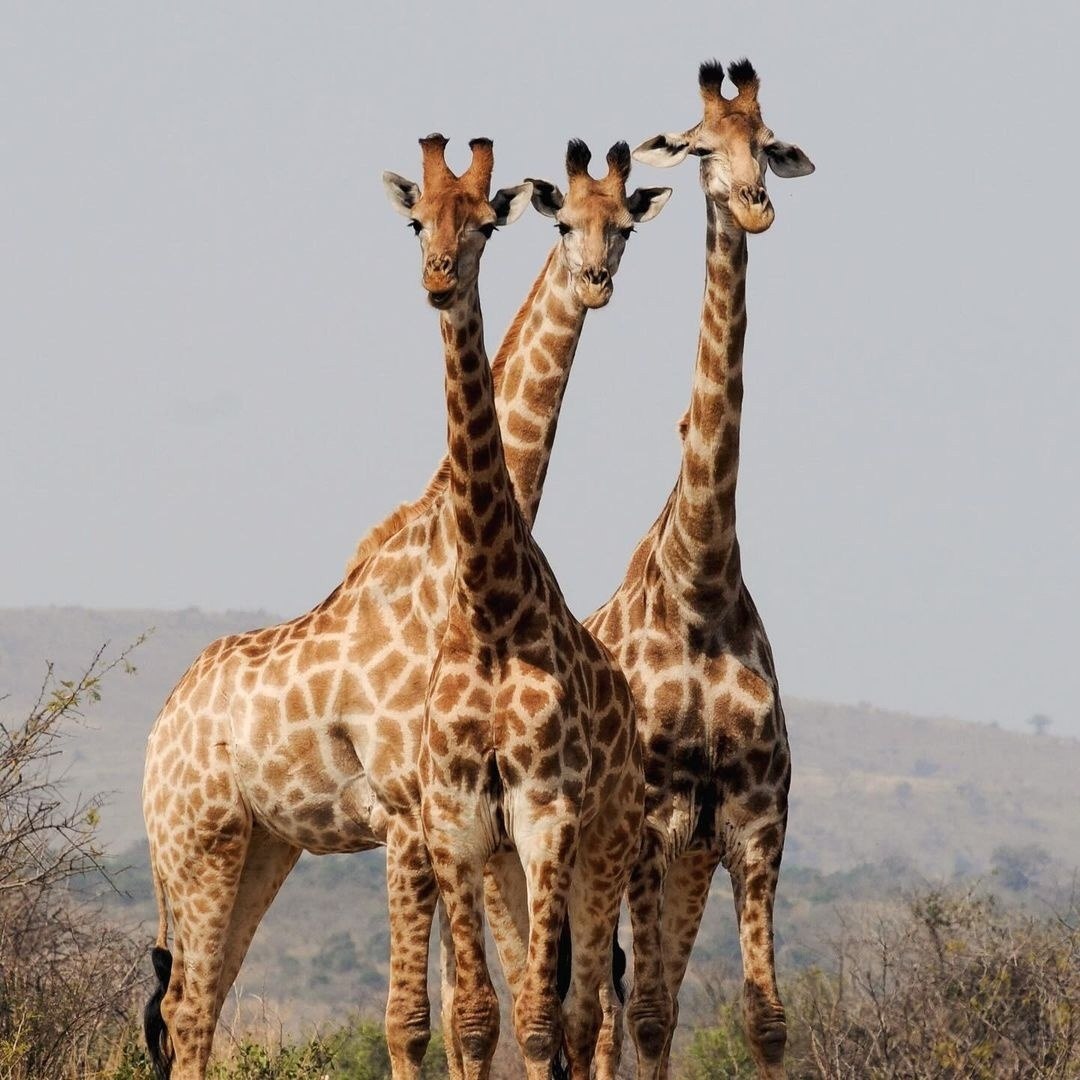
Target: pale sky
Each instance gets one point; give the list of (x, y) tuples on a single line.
[(217, 368)]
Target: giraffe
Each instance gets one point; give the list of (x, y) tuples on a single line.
[(689, 637), (304, 736), (529, 737)]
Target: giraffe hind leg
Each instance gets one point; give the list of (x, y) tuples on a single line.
[(411, 895), (202, 898), (268, 861)]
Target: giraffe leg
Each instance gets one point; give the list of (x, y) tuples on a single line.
[(475, 1011), (412, 895), (448, 976), (686, 892), (202, 897), (753, 882), (593, 1030), (650, 1013), (506, 900), (268, 862), (547, 850)]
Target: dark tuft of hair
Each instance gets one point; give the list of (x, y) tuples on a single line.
[(742, 73), (618, 966), (435, 136), (560, 1067), (711, 75), (618, 158), (154, 1027), (578, 156), (480, 141)]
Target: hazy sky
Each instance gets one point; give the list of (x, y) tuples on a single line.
[(217, 368)]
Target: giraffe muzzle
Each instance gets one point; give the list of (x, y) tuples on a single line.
[(595, 286), (751, 207), (441, 286), (440, 279)]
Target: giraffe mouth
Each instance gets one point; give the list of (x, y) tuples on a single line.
[(441, 299)]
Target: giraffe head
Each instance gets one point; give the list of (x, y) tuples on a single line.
[(453, 215), (596, 217), (735, 146)]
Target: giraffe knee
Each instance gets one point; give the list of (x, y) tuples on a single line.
[(476, 1023), (538, 1020), (407, 1036), (584, 1018), (651, 1022), (766, 1025)]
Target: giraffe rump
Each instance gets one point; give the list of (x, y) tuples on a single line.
[(154, 1026)]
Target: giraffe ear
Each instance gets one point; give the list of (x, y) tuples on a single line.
[(647, 202), (403, 194), (546, 197), (663, 151), (788, 160), (509, 203)]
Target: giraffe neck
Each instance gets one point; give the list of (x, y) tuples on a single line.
[(698, 549), (488, 524), (530, 373)]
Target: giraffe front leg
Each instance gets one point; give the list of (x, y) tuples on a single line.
[(592, 1010), (686, 892), (754, 876), (448, 978), (506, 901), (412, 895), (459, 839), (650, 1013), (547, 850)]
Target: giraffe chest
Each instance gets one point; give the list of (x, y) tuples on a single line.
[(712, 731)]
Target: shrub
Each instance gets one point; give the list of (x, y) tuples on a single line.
[(66, 974), (950, 987)]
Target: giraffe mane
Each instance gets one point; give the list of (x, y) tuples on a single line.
[(407, 512)]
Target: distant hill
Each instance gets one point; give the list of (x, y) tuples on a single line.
[(868, 784)]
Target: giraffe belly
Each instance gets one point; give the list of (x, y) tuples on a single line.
[(300, 799)]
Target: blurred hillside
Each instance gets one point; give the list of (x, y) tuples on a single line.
[(880, 801)]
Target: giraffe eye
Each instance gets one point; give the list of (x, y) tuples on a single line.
[(487, 230), (415, 226), (562, 227), (625, 233)]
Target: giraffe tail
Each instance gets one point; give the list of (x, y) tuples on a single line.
[(560, 1067), (154, 1026), (618, 966)]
